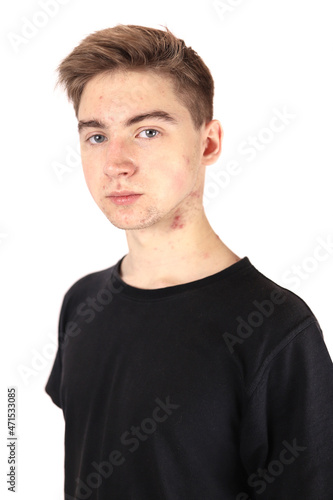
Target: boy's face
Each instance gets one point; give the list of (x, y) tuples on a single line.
[(140, 170)]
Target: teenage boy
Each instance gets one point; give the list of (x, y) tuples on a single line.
[(182, 371)]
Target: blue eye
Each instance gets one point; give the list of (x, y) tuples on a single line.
[(150, 133), (97, 139)]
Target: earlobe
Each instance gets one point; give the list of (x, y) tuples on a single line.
[(213, 142)]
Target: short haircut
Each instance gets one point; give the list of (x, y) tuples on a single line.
[(131, 47)]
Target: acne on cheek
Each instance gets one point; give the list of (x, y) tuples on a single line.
[(186, 159), (184, 174), (180, 179)]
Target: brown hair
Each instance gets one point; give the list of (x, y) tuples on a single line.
[(126, 47)]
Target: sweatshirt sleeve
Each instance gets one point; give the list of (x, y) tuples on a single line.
[(287, 429)]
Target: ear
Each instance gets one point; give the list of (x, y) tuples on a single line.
[(212, 142)]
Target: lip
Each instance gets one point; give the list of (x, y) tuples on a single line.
[(122, 193), (123, 197)]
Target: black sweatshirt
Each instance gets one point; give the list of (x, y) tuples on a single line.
[(217, 389)]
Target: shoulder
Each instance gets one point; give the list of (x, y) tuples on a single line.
[(264, 319), (248, 294), (286, 308), (90, 286)]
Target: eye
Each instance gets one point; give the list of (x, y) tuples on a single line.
[(97, 139), (149, 133)]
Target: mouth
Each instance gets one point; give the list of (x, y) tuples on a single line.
[(123, 197)]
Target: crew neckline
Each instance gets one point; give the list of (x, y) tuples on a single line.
[(169, 291)]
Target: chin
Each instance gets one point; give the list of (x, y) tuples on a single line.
[(131, 223), (133, 217)]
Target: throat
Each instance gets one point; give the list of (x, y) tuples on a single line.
[(174, 269)]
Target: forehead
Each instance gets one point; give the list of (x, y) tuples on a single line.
[(129, 90)]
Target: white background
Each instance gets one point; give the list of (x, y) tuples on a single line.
[(264, 55)]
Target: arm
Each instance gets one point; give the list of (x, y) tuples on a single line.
[(287, 433)]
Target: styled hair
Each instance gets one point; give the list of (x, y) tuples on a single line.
[(131, 47)]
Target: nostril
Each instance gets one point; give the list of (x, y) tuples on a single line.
[(123, 167)]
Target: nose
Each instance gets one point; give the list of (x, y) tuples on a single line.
[(119, 159)]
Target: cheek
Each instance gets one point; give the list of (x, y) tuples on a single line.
[(165, 173), (180, 182), (179, 179), (183, 174), (172, 182), (86, 172)]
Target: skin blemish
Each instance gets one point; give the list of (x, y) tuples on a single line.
[(195, 194), (177, 224)]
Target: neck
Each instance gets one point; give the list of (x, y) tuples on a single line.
[(174, 252)]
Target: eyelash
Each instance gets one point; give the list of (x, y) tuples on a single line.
[(93, 136), (145, 130), (150, 130)]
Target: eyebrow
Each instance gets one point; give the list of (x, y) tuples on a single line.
[(90, 124), (161, 115)]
